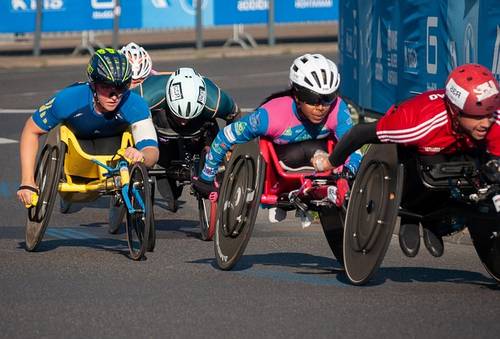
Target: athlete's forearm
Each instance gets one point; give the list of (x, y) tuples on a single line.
[(357, 136), (28, 149)]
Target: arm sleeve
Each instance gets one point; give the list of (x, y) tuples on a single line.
[(356, 137), (227, 109), (144, 134), (247, 128)]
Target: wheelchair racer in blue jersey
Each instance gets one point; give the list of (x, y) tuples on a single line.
[(101, 107), (298, 120)]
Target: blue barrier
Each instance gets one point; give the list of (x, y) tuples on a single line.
[(392, 50), (256, 11), (18, 16)]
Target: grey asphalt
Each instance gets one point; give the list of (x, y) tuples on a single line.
[(287, 285)]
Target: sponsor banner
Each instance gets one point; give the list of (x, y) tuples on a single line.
[(18, 16), (256, 11), (175, 13), (393, 50)]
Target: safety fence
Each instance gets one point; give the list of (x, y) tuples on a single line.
[(392, 50)]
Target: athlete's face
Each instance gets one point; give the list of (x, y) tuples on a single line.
[(476, 126), (314, 113), (108, 96)]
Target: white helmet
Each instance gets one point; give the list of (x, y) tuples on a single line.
[(316, 73), (186, 93), (139, 59)]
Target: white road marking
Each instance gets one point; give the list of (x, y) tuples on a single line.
[(16, 111), (8, 141)]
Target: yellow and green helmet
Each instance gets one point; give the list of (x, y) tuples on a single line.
[(109, 66)]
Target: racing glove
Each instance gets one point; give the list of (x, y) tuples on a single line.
[(206, 189)]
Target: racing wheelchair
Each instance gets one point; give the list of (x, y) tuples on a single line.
[(182, 157), (83, 170), (254, 176), (393, 182)]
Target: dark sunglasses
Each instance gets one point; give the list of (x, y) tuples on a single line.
[(315, 99), (111, 90)]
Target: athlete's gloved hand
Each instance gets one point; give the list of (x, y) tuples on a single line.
[(320, 161), (207, 189), (492, 171), (342, 189), (27, 194)]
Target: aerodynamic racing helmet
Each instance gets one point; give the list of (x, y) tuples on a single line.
[(186, 93), (139, 60), (314, 79), (108, 66), (471, 89)]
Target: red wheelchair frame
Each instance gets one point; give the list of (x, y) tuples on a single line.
[(279, 182)]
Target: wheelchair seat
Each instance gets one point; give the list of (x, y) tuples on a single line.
[(281, 178), (101, 146)]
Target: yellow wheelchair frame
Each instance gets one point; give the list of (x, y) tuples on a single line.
[(65, 168)]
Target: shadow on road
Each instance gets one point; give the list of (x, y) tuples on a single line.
[(308, 264), (109, 245)]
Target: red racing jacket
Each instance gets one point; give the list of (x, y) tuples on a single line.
[(423, 122)]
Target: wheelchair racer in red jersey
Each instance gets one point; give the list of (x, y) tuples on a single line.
[(462, 120)]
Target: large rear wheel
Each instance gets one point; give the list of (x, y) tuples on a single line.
[(47, 176)]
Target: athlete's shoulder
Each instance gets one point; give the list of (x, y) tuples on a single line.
[(425, 105), (279, 104), (74, 96), (153, 89), (133, 108)]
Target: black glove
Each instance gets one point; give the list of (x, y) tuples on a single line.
[(206, 189), (491, 171)]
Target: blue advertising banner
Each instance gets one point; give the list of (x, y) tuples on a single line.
[(77, 15), (392, 50), (230, 12), (175, 13), (67, 15)]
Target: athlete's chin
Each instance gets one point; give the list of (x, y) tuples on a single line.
[(110, 106)]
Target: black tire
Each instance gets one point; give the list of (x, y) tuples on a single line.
[(207, 210), (152, 226), (116, 214), (487, 244), (138, 223), (332, 221), (47, 176)]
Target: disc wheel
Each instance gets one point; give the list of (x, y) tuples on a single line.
[(47, 176), (332, 221), (238, 204), (486, 240), (139, 222), (372, 212)]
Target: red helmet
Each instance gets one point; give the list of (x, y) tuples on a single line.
[(473, 90)]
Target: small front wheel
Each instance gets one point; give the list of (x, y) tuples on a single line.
[(139, 221)]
